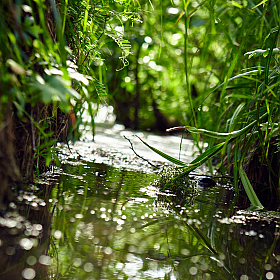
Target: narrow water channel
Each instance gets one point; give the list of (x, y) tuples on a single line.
[(100, 216)]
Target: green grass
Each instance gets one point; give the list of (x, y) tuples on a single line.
[(240, 113)]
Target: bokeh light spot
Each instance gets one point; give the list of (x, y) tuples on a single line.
[(28, 273)]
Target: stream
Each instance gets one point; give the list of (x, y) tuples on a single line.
[(102, 216)]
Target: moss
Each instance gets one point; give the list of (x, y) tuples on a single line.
[(184, 189)]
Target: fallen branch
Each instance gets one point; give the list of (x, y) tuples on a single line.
[(131, 147)]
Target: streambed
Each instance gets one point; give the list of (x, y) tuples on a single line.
[(101, 217)]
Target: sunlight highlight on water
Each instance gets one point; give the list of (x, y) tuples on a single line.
[(102, 222)]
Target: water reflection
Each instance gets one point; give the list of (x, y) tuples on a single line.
[(25, 235), (111, 224), (93, 221)]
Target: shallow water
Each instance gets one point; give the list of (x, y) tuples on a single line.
[(93, 220)]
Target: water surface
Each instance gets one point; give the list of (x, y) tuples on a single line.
[(100, 216)]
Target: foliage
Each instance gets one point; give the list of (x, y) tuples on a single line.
[(35, 81), (33, 68), (94, 30), (50, 60), (196, 74), (229, 51)]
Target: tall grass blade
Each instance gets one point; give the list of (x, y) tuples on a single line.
[(224, 135), (248, 73), (169, 158), (195, 163), (188, 167), (232, 65), (267, 67), (201, 237), (249, 189), (207, 155), (233, 119)]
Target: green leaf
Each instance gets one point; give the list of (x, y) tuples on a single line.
[(249, 189), (54, 88), (15, 67), (261, 3), (78, 76), (100, 88), (188, 167), (234, 3), (259, 52), (197, 162), (224, 135), (169, 158), (207, 154)]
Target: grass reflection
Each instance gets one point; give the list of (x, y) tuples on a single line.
[(112, 224)]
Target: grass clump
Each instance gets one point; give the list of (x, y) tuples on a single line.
[(184, 189)]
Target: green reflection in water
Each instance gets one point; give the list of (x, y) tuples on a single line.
[(112, 224)]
